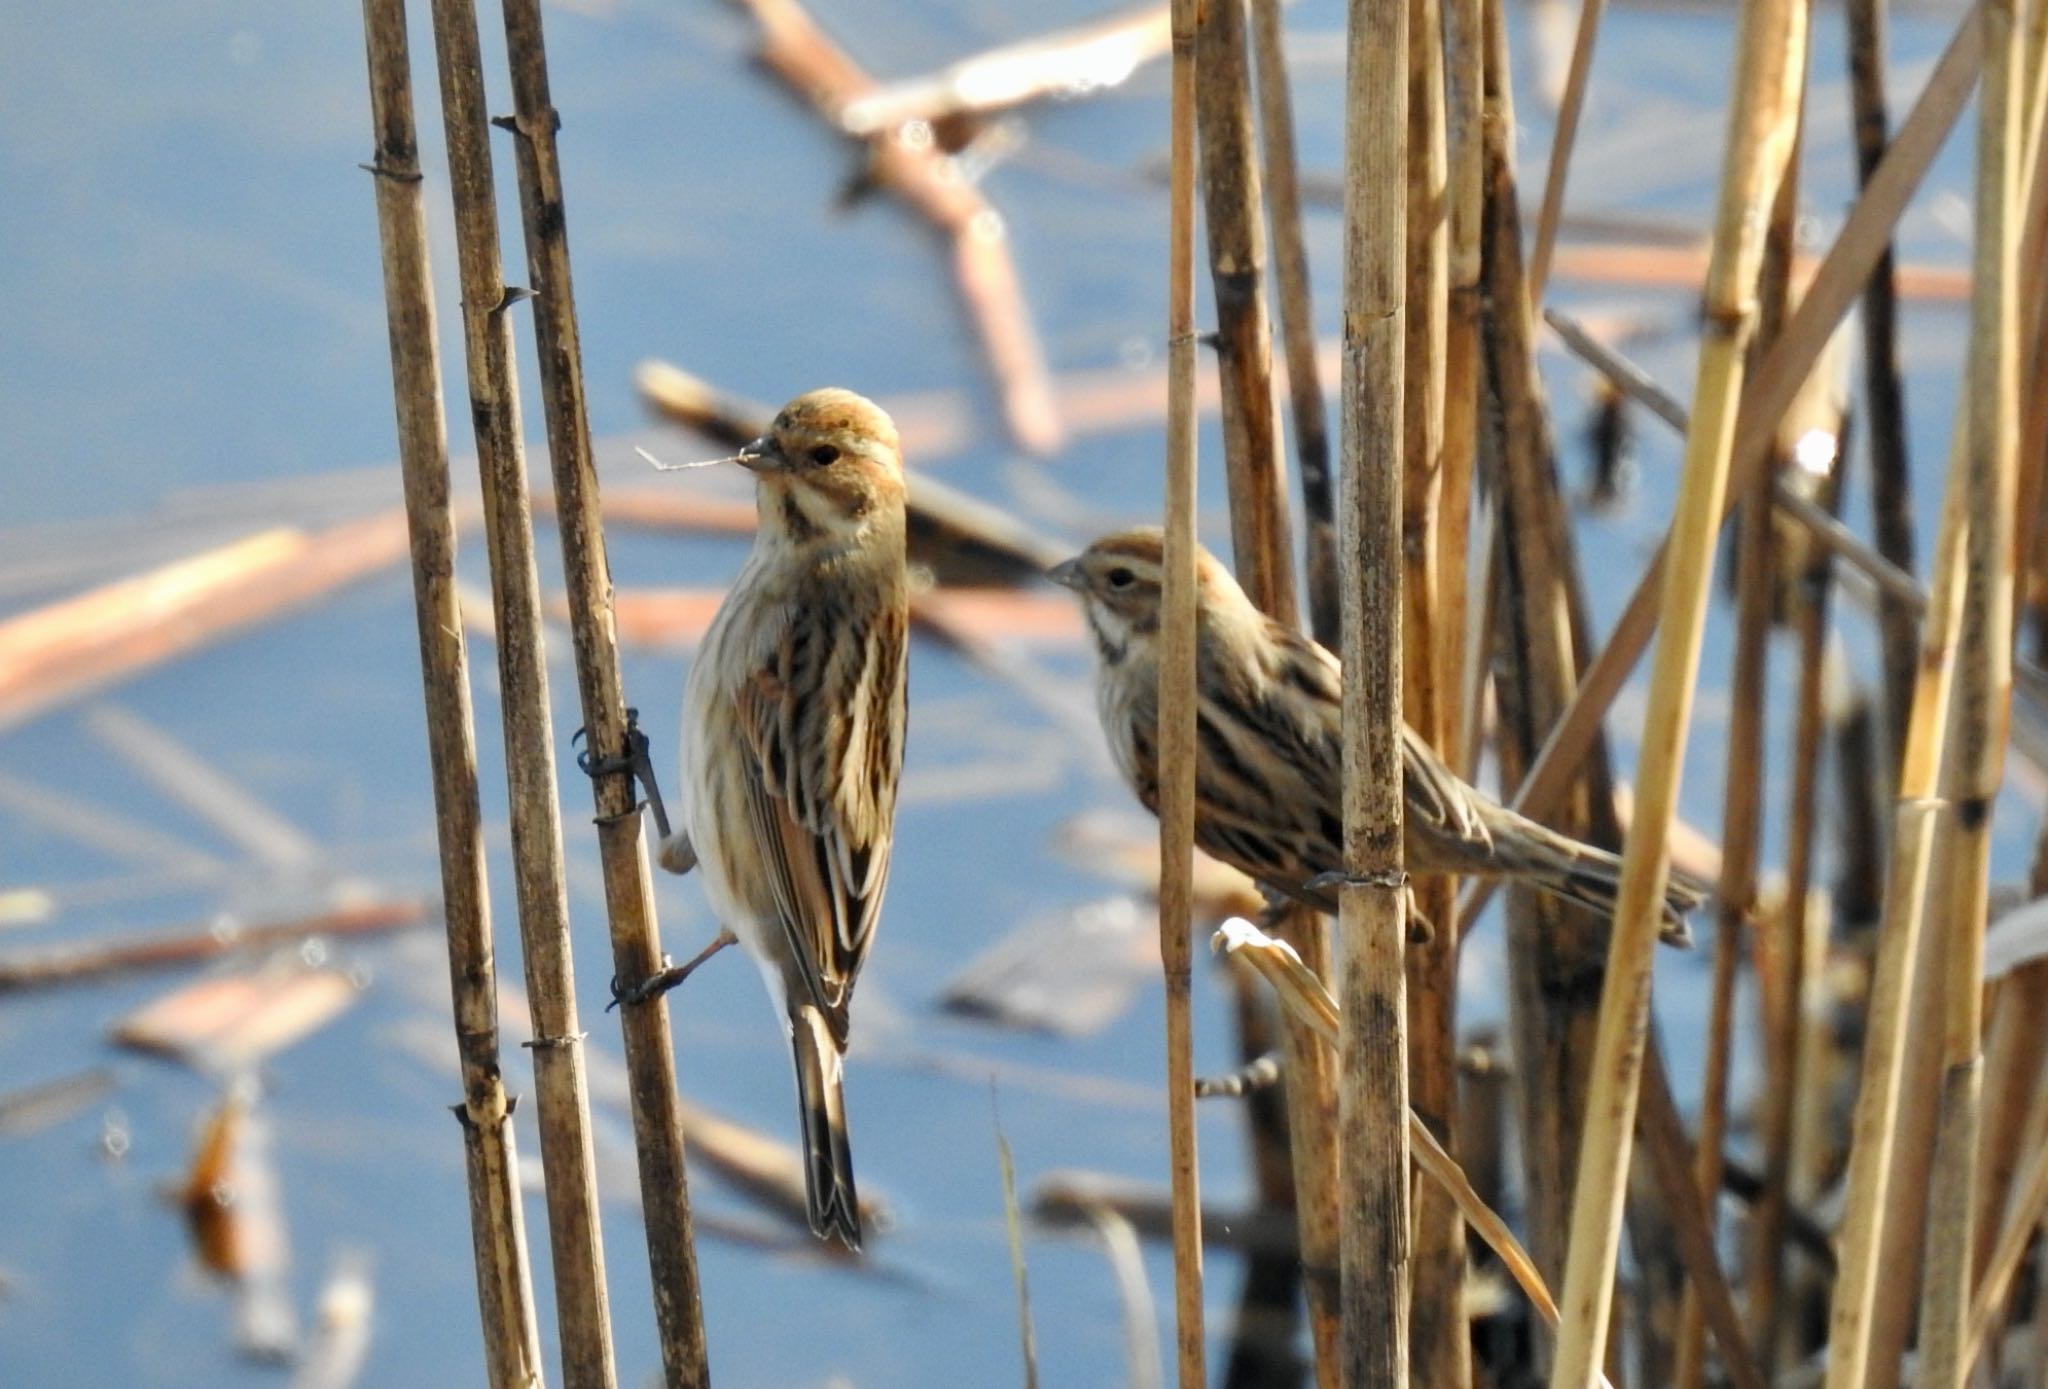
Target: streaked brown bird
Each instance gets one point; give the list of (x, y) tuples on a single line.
[(793, 742), (1269, 764)]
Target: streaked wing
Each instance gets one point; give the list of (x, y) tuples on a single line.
[(823, 718)]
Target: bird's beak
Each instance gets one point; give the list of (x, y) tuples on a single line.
[(760, 456), (1067, 574)]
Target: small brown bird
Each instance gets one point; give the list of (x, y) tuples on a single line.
[(1270, 754), (793, 742)]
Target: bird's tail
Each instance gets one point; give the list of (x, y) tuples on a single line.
[(828, 1161), (1580, 873)]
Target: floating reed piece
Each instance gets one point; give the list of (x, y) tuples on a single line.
[(1762, 128), (504, 1285), (629, 897), (1177, 707), (1373, 1188)]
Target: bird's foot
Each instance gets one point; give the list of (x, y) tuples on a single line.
[(635, 762), (668, 976)]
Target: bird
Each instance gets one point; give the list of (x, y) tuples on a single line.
[(792, 746), (1269, 762)]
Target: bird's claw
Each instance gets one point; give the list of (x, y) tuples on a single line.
[(668, 976), (634, 761)]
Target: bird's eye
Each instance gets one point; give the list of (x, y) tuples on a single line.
[(824, 454), (1121, 577)]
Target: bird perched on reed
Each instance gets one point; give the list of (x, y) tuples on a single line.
[(1270, 762), (793, 741)]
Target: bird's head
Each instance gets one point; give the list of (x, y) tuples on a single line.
[(829, 468), (1120, 581)]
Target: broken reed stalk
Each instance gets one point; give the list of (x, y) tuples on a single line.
[(1916, 818), (575, 1243), (1373, 1135), (1771, 388), (1983, 693), (1177, 705), (629, 898), (1262, 538), (511, 1332), (1440, 1338), (1770, 47), (1297, 319), (1742, 804), (1884, 414), (1563, 136)]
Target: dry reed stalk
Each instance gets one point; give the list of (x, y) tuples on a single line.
[(1884, 406), (1440, 1339), (797, 51), (1564, 135), (1673, 1169), (636, 944), (1297, 319), (575, 1242), (1895, 583), (1267, 573), (1373, 1190), (1854, 1317), (1262, 545), (1983, 691), (2034, 327), (1778, 957), (2021, 1227), (1742, 804), (1554, 951), (497, 1223), (1762, 129), (1268, 1320), (1790, 1089), (1177, 710), (2012, 1086), (1229, 173), (1464, 58), (1772, 386)]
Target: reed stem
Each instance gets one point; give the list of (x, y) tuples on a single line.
[(497, 1224), (1373, 904), (636, 948), (1177, 711), (1983, 691), (1762, 130)]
